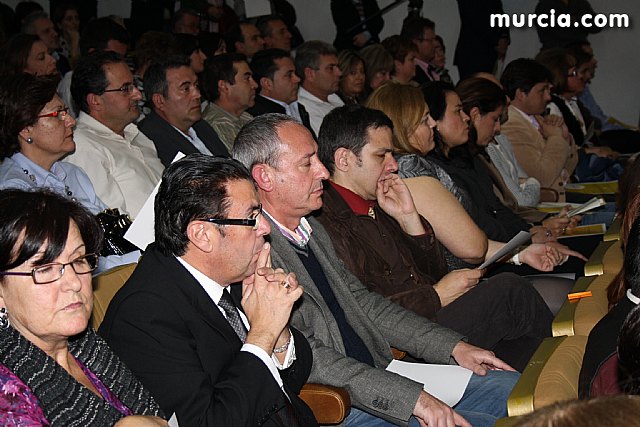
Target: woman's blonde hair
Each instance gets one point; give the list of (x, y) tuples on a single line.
[(405, 106)]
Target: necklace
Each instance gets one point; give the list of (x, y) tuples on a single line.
[(32, 177)]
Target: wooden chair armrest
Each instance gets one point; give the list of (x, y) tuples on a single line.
[(595, 264), (548, 195), (330, 405)]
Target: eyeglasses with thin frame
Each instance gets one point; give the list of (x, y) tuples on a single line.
[(253, 221), (126, 89), (572, 73), (60, 114), (51, 272)]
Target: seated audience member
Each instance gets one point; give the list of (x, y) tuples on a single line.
[(628, 189), (54, 370), (439, 61), (186, 21), (613, 411), (67, 21), (274, 32), (175, 124), (121, 161), (274, 71), (205, 353), (33, 119), (39, 24), (189, 45), (422, 32), (351, 32), (349, 328), (601, 346), (378, 66), (466, 244), (25, 53), (609, 131), (541, 144), (244, 39), (229, 87), (317, 66), (404, 53), (460, 139), (594, 163), (100, 34), (352, 80), (375, 229), (525, 189)]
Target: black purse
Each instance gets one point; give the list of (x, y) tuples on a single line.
[(114, 225)]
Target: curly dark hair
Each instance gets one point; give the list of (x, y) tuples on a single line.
[(22, 98)]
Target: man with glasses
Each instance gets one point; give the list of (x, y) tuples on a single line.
[(213, 357), (121, 161), (422, 32)]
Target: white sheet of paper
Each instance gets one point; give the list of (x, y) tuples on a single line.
[(446, 382), (141, 232), (518, 240), (257, 8), (173, 421), (595, 202)]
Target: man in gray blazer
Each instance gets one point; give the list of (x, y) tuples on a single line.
[(349, 328)]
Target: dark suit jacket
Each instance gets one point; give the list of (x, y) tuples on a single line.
[(169, 141), (421, 77), (167, 330), (265, 106), (345, 15)]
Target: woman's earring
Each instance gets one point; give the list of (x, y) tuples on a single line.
[(4, 320), (29, 140)]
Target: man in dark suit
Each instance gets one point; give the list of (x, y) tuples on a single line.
[(176, 124), (274, 71), (212, 358), (422, 32)]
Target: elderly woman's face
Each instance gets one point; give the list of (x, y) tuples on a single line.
[(50, 313), (453, 126), (52, 136), (39, 61)]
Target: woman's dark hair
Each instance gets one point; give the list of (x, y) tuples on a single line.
[(187, 43), (483, 94), (22, 98), (15, 52), (435, 95), (32, 220), (210, 43)]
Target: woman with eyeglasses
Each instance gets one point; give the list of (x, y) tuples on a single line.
[(54, 370), (36, 132)]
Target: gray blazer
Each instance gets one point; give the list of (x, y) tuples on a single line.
[(379, 322)]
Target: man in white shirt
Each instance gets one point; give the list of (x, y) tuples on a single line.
[(275, 73), (317, 66), (216, 354), (121, 161), (175, 124)]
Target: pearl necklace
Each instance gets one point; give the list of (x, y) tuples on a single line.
[(32, 177)]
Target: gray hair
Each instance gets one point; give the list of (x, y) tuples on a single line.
[(258, 141), (308, 55)]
